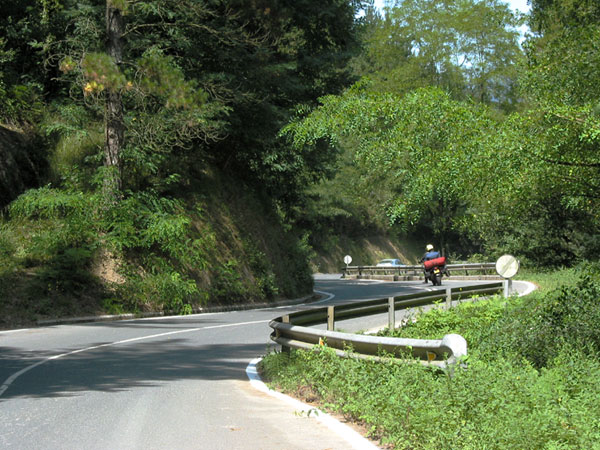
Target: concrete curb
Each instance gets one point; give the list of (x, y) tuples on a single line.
[(355, 440), (211, 309)]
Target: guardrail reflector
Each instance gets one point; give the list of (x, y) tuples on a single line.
[(431, 356)]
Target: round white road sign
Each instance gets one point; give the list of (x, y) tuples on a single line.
[(347, 259), (507, 266)]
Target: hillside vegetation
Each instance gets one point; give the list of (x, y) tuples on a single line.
[(143, 169), (163, 155), (221, 248)]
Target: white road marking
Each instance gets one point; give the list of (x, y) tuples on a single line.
[(15, 331), (530, 287), (136, 319), (328, 294), (10, 380)]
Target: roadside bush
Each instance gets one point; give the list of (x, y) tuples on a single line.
[(227, 286), (262, 271), (147, 251), (495, 405), (531, 381), (295, 256), (56, 231), (167, 291), (66, 272), (471, 320), (539, 326), (8, 263)]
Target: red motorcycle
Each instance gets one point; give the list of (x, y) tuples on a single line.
[(434, 269)]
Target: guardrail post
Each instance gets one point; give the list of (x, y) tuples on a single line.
[(448, 297), (284, 319), (391, 313), (331, 318)]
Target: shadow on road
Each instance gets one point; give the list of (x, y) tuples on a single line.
[(120, 368)]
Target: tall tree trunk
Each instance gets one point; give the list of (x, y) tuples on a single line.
[(114, 126)]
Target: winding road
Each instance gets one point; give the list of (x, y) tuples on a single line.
[(163, 383)]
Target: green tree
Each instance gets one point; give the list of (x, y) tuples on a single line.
[(219, 77), (126, 76), (23, 74), (303, 55), (468, 48), (561, 85), (547, 15), (425, 172)]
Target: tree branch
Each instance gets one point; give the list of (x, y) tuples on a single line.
[(571, 164)]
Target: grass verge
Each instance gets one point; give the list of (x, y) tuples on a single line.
[(532, 379)]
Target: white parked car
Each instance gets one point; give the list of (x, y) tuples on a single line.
[(390, 263)]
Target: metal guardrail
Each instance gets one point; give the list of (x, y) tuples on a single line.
[(483, 271), (294, 330)]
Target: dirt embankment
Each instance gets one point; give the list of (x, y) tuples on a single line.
[(364, 251)]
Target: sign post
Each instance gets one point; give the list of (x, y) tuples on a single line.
[(347, 260)]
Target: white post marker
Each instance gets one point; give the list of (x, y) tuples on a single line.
[(507, 267), (347, 260)]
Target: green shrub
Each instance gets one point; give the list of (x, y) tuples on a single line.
[(8, 246), (294, 276), (227, 286), (67, 272), (469, 319), (262, 271), (495, 405), (170, 292), (542, 325), (531, 381), (22, 103)]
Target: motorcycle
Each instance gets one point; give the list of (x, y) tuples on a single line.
[(434, 269)]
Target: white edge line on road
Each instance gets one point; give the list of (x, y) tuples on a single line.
[(136, 319), (328, 297), (10, 380), (354, 439), (15, 331), (530, 287)]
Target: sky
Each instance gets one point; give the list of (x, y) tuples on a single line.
[(516, 5), (520, 5)]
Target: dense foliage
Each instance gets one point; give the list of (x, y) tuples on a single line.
[(150, 114), (530, 382), (505, 157)]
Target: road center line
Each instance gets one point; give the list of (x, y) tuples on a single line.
[(10, 380)]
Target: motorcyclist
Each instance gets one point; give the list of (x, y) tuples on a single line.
[(429, 254)]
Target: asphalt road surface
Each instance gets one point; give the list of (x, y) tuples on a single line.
[(167, 383)]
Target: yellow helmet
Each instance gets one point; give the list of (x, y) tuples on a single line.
[(429, 247)]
